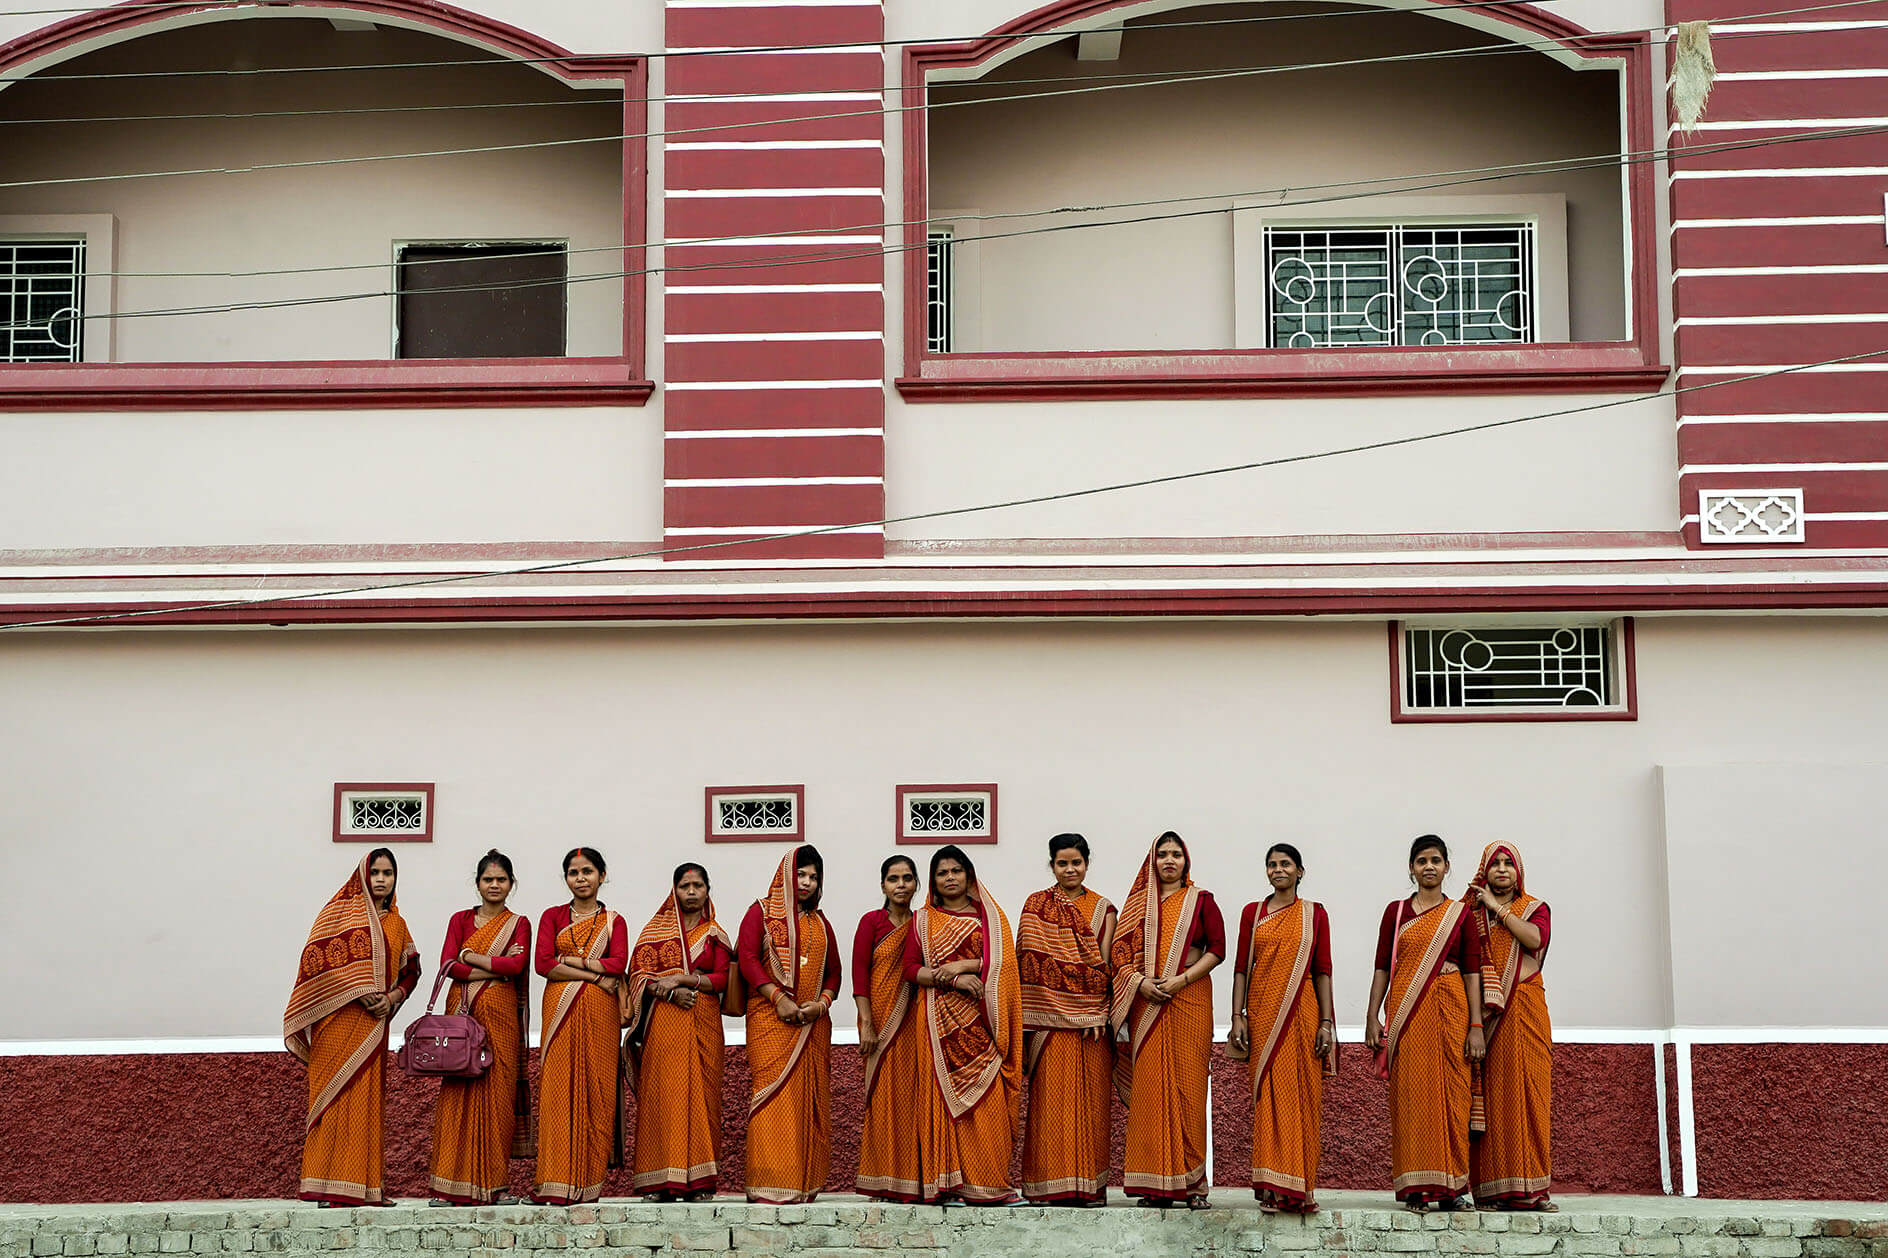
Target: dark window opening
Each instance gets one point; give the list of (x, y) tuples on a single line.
[(482, 301)]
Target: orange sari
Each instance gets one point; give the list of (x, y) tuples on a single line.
[(580, 1079), (1064, 980), (894, 1074), (1161, 1073), (789, 1118), (352, 951), (966, 1108), (676, 1055), (1512, 1159), (477, 1126), (1430, 1089), (1287, 1074)]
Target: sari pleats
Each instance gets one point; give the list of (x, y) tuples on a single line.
[(1430, 1096), (476, 1120), (1166, 1136), (344, 1157), (1288, 1107), (1513, 1162), (1066, 1137), (678, 1106), (789, 1141), (966, 1136), (580, 1083), (888, 1154), (967, 1156)]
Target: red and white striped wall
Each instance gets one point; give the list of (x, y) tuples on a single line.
[(1780, 257), (774, 340)]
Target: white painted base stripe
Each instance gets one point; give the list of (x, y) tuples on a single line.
[(743, 482), (1665, 1123), (1820, 417), (730, 242), (1798, 76), (751, 434), (1830, 220), (773, 530), (1705, 272), (755, 194), (1799, 369), (1719, 321), (698, 290), (748, 386), (1712, 469), (743, 146), (1803, 172), (707, 338), (1687, 1123), (1786, 124), (776, 98)]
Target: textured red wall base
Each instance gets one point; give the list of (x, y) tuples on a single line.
[(1772, 1121)]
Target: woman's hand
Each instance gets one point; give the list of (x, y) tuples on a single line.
[(970, 985), (663, 986), (1094, 1032), (1326, 1041), (786, 1010), (1373, 1033), (1240, 1037), (1150, 990), (1477, 1046), (1488, 898), (868, 1037), (683, 997), (1173, 985)]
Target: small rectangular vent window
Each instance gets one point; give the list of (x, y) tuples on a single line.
[(1458, 669), (482, 300), (947, 814), (374, 812), (1399, 284), (940, 283), (1750, 515), (755, 813), (43, 319)]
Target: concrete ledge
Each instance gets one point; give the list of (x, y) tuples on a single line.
[(852, 1227)]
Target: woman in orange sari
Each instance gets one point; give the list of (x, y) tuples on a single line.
[(790, 959), (481, 1124), (583, 952), (1062, 941), (1281, 988), (1512, 1161), (1170, 938), (890, 1039), (1429, 966), (677, 972), (963, 956), (357, 968)]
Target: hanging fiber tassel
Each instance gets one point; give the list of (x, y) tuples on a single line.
[(1693, 71)]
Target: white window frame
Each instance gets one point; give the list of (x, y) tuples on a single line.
[(984, 792), (1546, 212), (347, 794), (966, 296), (100, 233), (715, 832), (1622, 660)]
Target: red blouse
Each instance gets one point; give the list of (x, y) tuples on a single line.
[(754, 968), (1209, 928), (715, 961), (553, 920), (1463, 947), (1320, 936), (873, 928), (462, 927)]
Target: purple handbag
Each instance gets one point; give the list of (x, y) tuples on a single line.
[(445, 1045)]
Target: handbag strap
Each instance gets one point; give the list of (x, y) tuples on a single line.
[(434, 998)]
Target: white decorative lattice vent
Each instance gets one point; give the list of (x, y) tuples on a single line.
[(1750, 515), (738, 813), (1510, 667), (374, 811), (947, 814)]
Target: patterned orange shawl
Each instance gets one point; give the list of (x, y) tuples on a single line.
[(662, 949), (891, 995), (1058, 959), (780, 923), (344, 959), (1502, 955), (1137, 945), (973, 1043)]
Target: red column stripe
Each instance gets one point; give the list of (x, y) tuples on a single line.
[(803, 408), (773, 456), (1862, 441), (770, 505), (773, 168)]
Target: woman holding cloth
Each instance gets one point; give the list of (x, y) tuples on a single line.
[(1062, 941), (963, 957), (582, 952), (357, 968), (1284, 1025), (1169, 939), (481, 1124), (1512, 1160), (1429, 966), (677, 972), (890, 1038)]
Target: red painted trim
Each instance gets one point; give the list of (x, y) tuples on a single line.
[(797, 835), (424, 836), (1628, 660), (287, 386), (898, 820), (1270, 373), (362, 383)]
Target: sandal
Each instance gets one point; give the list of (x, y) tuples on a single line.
[(1199, 1202), (1545, 1206)]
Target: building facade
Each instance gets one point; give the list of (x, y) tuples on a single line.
[(685, 429)]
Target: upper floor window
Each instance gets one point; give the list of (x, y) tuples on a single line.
[(1399, 284), (1543, 670), (44, 311), (482, 300), (940, 289)]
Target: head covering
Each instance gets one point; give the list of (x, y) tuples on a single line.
[(344, 959), (780, 919), (1500, 958), (663, 949), (1137, 933)]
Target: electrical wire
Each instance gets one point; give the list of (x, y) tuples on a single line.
[(1473, 175), (943, 513)]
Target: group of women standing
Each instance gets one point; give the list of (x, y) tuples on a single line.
[(954, 1011)]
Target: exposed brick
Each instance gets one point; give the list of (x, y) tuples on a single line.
[(1523, 1243)]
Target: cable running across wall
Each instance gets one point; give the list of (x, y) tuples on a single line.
[(944, 513)]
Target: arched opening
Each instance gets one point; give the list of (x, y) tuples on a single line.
[(319, 185)]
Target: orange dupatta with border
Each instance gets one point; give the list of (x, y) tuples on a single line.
[(780, 921), (966, 1076), (1059, 963), (891, 995), (1281, 1001), (663, 949), (1137, 956)]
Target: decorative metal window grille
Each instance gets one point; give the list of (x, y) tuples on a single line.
[(1399, 284), (941, 814), (940, 284), (1750, 515), (761, 814), (1537, 666), (44, 312), (399, 814)]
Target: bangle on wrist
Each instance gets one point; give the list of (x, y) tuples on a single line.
[(1474, 1026)]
